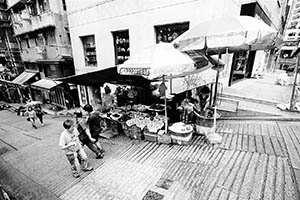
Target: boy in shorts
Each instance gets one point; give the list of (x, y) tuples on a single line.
[(69, 142)]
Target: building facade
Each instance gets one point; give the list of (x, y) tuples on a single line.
[(41, 27), (11, 63), (291, 35), (105, 33)]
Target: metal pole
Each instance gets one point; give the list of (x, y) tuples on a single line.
[(165, 102), (292, 103), (217, 80), (87, 95)]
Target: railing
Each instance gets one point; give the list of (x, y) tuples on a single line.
[(44, 52)]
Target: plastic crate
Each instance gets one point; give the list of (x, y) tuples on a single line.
[(182, 140)]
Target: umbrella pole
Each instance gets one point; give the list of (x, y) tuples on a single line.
[(292, 101), (217, 80), (165, 102)]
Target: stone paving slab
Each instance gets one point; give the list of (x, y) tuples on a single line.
[(21, 186), (253, 161), (196, 174)]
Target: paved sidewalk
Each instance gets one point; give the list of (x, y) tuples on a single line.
[(261, 95)]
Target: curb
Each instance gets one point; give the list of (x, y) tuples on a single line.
[(253, 100), (264, 118)]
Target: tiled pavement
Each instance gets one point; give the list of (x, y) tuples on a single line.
[(257, 160)]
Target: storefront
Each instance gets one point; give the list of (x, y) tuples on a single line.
[(246, 64), (22, 83)]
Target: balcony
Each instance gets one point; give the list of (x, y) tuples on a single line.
[(33, 23), (44, 52)]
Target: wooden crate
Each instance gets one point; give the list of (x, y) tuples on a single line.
[(150, 136)]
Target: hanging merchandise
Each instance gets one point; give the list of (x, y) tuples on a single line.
[(162, 89)]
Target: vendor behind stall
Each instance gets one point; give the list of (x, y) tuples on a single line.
[(108, 99), (203, 98)]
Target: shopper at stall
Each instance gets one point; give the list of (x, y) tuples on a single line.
[(108, 99), (93, 125), (85, 136), (69, 142)]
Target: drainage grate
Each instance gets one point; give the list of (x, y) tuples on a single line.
[(150, 195), (164, 183)]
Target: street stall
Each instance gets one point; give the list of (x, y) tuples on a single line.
[(174, 75), (226, 34)]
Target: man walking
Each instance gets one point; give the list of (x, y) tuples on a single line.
[(84, 136), (93, 125)]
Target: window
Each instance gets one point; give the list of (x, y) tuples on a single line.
[(25, 43), (169, 32), (32, 7), (43, 5), (121, 44), (89, 49), (40, 40), (51, 71), (292, 34), (50, 37)]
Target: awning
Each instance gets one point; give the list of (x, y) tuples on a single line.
[(108, 75), (24, 77), (45, 84), (57, 60)]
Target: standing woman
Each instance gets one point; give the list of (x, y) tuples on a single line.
[(31, 116)]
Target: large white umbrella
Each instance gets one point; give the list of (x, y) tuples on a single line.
[(157, 60), (234, 33)]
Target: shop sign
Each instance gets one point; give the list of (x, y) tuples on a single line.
[(135, 71)]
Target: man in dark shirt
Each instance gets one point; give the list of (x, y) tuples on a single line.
[(94, 125)]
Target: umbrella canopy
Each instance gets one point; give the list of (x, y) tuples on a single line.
[(234, 33), (33, 103), (157, 60)]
